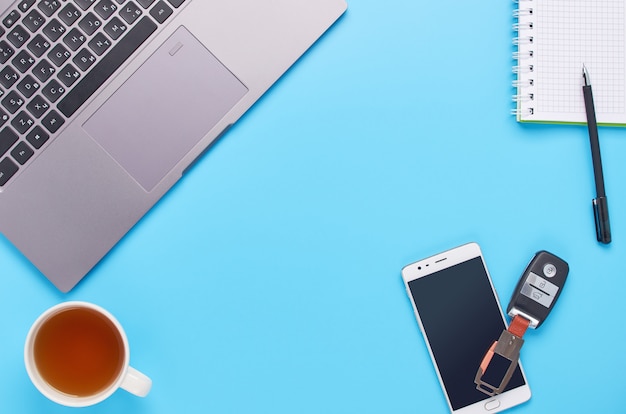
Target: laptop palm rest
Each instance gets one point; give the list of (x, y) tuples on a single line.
[(165, 108)]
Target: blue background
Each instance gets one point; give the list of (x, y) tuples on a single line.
[(268, 280)]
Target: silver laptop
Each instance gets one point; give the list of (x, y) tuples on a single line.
[(104, 104)]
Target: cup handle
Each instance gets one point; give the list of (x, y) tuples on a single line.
[(136, 382)]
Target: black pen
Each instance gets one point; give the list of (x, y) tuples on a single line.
[(600, 204)]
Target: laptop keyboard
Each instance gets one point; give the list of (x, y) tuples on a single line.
[(54, 54)]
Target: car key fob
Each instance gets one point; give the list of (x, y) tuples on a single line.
[(533, 299), (539, 288)]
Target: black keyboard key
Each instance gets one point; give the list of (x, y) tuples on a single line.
[(161, 11), (68, 75), (28, 86), (84, 59), (115, 28), (4, 117), (59, 54), (43, 70), (38, 106), (37, 137), (6, 51), (11, 19), (54, 29), (90, 23), (107, 66), (12, 102), (84, 4), (99, 44), (7, 170), (176, 3), (33, 21), (22, 152), (23, 61), (25, 5), (130, 12), (8, 76), (145, 3), (18, 36), (39, 45), (69, 14), (52, 122), (2, 31), (74, 39), (105, 8), (7, 139), (22, 122), (53, 90), (49, 7)]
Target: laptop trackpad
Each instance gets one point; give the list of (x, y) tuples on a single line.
[(165, 108)]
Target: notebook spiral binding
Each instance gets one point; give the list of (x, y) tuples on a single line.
[(523, 56)]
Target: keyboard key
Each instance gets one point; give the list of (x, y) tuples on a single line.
[(12, 102), (53, 90), (105, 8), (38, 107), (52, 122), (39, 45), (99, 44), (68, 75), (130, 12), (8, 77), (43, 70), (6, 51), (90, 23), (49, 7), (59, 54), (22, 152), (11, 19), (4, 117), (28, 86), (23, 61), (25, 5), (107, 66), (176, 3), (74, 39), (18, 36), (115, 28), (7, 139), (161, 11), (22, 122), (37, 137), (69, 14), (145, 3), (33, 21), (54, 29), (84, 59), (7, 170), (84, 4)]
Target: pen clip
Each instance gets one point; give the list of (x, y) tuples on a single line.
[(601, 216)]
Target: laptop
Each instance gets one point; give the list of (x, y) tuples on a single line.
[(104, 105)]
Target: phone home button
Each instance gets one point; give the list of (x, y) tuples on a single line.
[(492, 405)]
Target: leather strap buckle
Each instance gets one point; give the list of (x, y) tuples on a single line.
[(500, 361)]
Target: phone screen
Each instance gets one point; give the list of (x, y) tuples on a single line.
[(461, 319)]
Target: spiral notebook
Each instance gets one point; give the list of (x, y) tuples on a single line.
[(554, 39)]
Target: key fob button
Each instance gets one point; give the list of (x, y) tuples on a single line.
[(549, 270)]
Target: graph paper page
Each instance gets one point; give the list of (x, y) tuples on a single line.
[(561, 36)]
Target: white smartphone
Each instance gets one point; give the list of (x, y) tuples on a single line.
[(460, 317)]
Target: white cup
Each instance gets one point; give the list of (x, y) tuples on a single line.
[(126, 376)]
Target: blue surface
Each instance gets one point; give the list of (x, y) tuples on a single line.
[(268, 280)]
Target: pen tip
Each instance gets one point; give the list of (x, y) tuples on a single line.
[(586, 75)]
